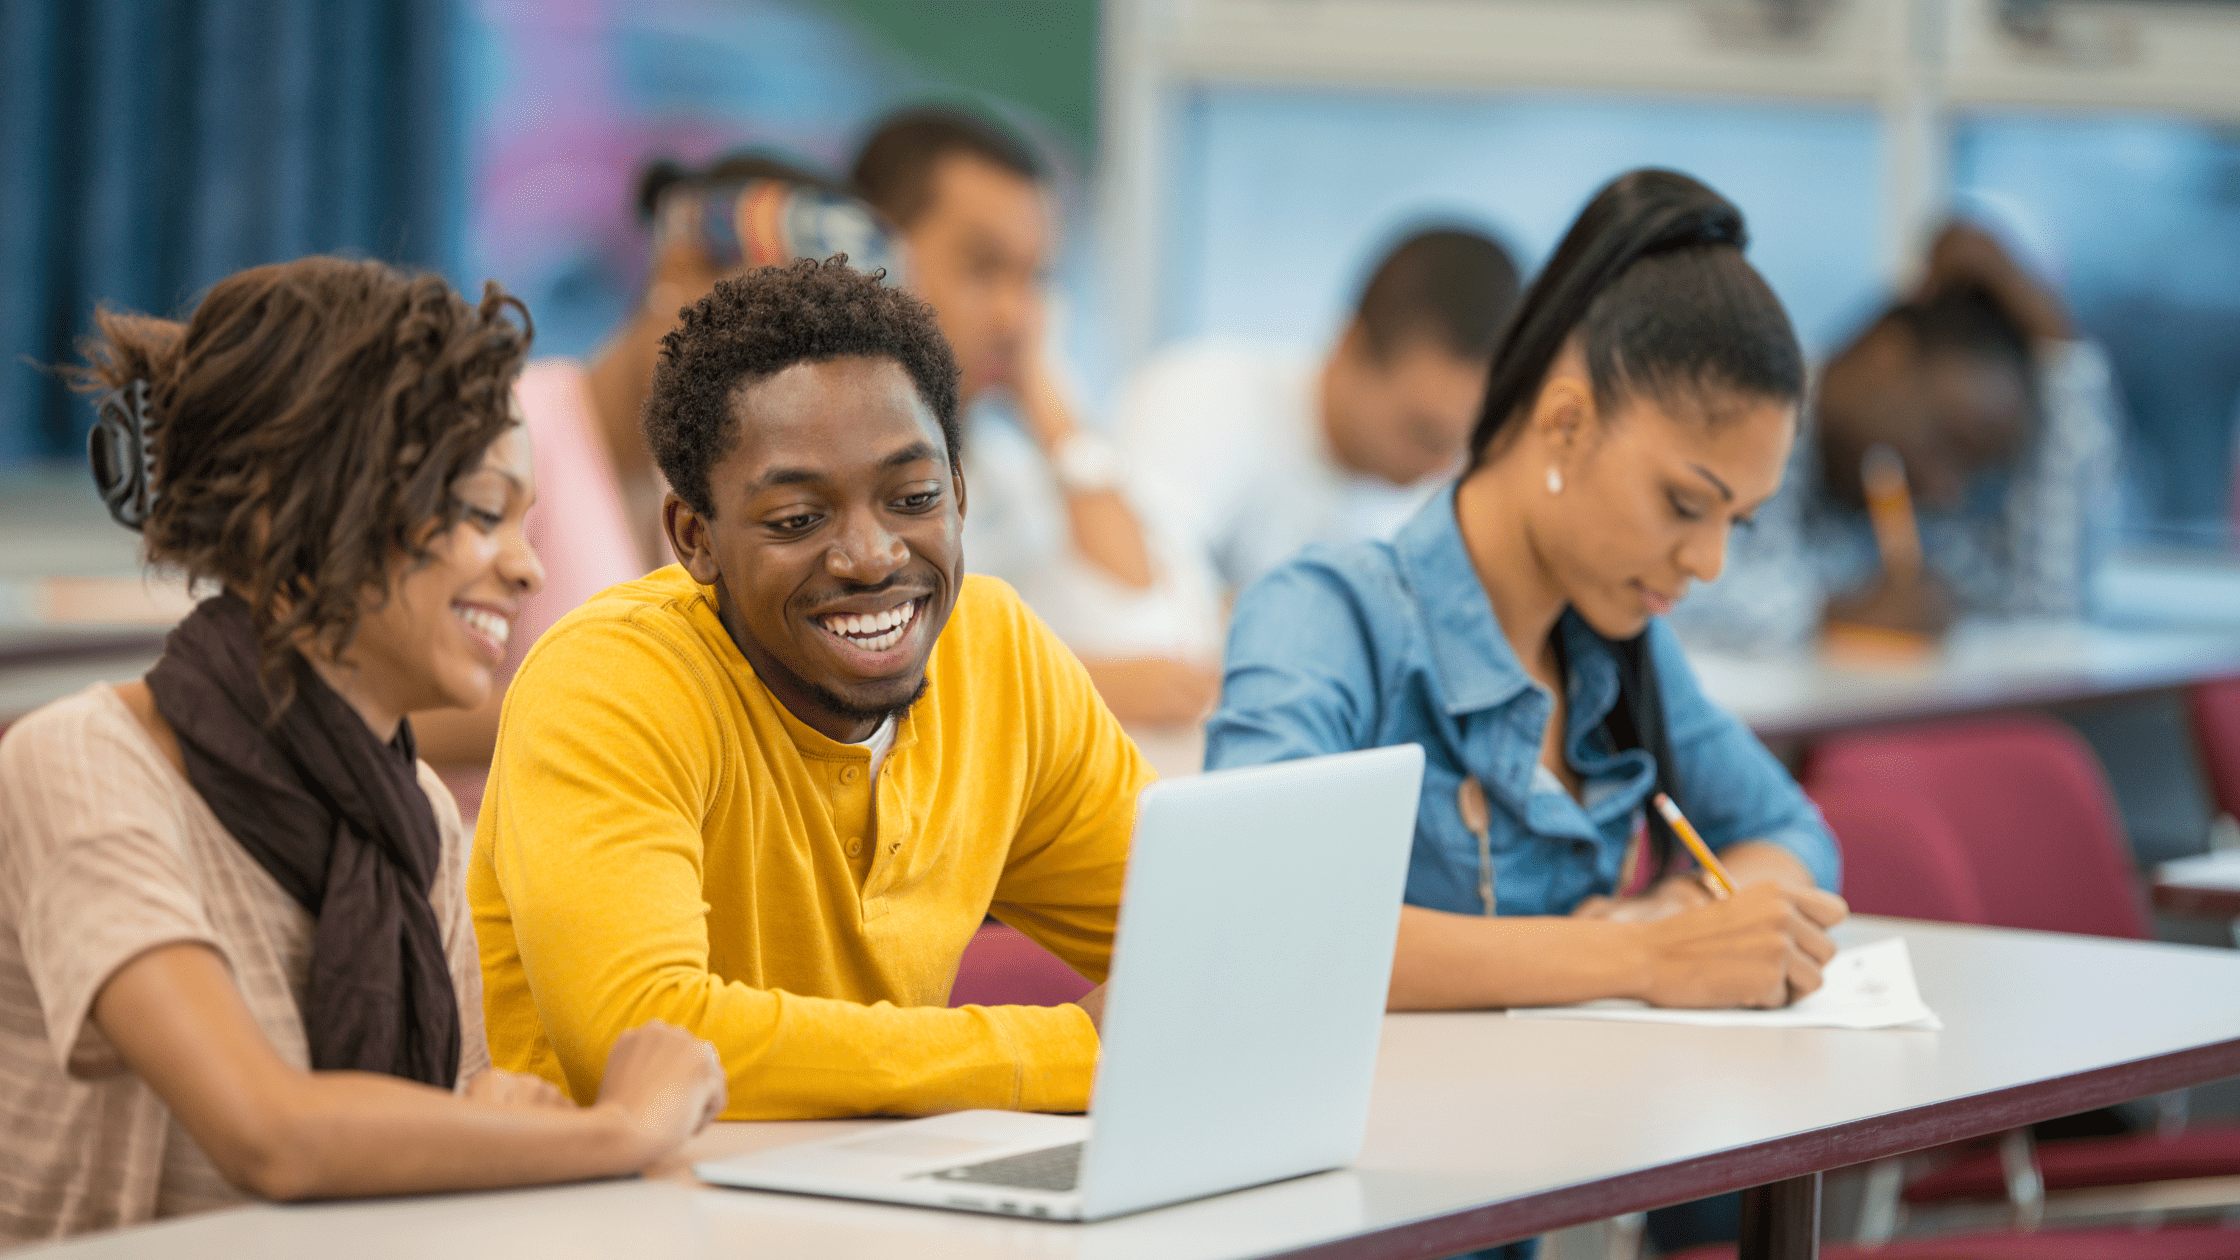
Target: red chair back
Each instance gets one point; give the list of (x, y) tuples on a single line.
[(2216, 732), (1900, 856), (1002, 967), (2030, 807)]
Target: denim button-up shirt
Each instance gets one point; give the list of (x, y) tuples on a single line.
[(1396, 643)]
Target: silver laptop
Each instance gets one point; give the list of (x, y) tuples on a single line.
[(1240, 1031)]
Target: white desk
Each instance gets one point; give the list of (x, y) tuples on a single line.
[(1982, 667), (1483, 1129)]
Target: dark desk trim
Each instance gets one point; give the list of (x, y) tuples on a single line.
[(19, 651), (2197, 903), (1799, 1155)]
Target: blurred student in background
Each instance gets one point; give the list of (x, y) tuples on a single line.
[(237, 957), (601, 521), (2005, 423), (1642, 403), (1250, 455), (1051, 507)]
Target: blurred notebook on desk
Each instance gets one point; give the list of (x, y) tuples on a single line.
[(1870, 986)]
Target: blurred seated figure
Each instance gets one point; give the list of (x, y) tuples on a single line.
[(1051, 511), (600, 520), (2003, 423), (1251, 454)]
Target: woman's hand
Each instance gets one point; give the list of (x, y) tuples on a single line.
[(1762, 947), (497, 1087), (667, 1084), (1918, 603)]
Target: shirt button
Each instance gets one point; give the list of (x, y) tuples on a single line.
[(850, 774), (855, 845)]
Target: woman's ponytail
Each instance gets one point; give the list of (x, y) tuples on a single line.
[(1652, 276)]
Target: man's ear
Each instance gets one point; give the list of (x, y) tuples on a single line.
[(1353, 345), (689, 537), (956, 474)]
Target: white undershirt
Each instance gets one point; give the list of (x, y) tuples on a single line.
[(880, 744)]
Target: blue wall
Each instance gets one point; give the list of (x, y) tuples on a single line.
[(1283, 196)]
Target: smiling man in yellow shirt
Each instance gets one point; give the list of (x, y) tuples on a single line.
[(769, 793)]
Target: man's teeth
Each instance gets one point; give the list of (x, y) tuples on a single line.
[(874, 632), (489, 623)]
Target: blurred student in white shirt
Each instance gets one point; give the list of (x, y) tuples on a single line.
[(1248, 454), (1048, 508)]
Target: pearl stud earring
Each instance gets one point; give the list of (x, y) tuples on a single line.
[(1555, 480)]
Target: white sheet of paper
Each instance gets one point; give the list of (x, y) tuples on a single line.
[(1868, 987)]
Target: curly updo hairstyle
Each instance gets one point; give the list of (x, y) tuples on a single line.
[(758, 324), (307, 423)]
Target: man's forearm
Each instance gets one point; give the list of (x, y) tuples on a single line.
[(1107, 534), (1104, 528), (789, 1057)]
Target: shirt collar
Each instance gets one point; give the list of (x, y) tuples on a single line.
[(1472, 655)]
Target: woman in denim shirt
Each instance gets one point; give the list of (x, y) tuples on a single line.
[(1643, 402)]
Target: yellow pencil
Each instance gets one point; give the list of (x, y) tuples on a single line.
[(1682, 828), (1890, 511)]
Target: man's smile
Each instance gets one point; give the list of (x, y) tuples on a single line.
[(873, 632)]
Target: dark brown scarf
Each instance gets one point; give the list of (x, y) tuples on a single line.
[(339, 820)]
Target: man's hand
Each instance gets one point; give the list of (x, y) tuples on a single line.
[(1092, 1002), (1042, 406), (1762, 947)]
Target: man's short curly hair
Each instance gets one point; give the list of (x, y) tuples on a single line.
[(759, 324)]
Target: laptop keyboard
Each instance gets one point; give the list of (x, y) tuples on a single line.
[(1051, 1168)]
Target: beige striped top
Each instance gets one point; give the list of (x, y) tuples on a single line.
[(105, 853)]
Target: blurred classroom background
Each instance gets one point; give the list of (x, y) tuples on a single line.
[(1223, 169), (1229, 169)]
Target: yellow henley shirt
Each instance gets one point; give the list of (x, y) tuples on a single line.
[(661, 839)]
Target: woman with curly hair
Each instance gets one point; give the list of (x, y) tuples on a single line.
[(237, 955)]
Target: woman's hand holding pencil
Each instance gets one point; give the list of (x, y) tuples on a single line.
[(1725, 942), (1763, 946)]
